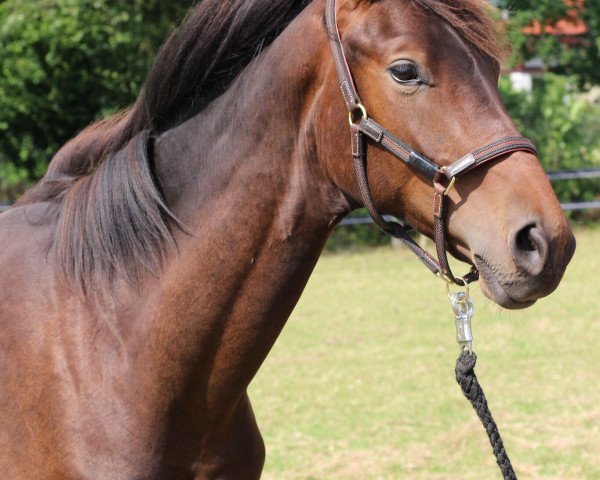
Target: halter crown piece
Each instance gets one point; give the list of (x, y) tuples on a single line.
[(365, 130)]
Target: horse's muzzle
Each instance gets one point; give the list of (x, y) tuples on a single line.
[(540, 258)]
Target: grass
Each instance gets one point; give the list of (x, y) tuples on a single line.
[(360, 385)]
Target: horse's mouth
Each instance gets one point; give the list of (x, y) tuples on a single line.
[(490, 285), (493, 289)]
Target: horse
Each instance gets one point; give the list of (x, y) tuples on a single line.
[(148, 274)]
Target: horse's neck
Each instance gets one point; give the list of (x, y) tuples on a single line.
[(245, 179)]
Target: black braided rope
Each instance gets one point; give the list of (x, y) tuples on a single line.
[(466, 378)]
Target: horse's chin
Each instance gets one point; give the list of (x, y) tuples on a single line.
[(489, 284), (493, 289)]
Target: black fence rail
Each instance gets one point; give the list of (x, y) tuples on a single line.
[(583, 174)]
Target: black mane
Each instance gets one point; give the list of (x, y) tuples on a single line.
[(113, 219), (200, 60)]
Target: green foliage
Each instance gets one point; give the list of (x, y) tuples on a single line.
[(579, 59), (563, 125), (356, 236), (65, 63)]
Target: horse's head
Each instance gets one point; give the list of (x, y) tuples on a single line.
[(427, 71)]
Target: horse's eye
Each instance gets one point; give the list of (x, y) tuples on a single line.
[(405, 73)]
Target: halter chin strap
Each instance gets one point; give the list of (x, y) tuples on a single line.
[(364, 129)]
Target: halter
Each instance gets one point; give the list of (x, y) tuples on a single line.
[(364, 128)]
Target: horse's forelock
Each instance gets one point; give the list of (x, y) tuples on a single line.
[(475, 21)]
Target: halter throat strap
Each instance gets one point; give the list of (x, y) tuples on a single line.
[(364, 130)]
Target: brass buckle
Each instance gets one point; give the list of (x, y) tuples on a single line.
[(450, 187), (445, 278), (452, 182)]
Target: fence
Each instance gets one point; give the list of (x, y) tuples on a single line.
[(582, 174)]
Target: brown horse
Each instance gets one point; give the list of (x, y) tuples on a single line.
[(147, 276)]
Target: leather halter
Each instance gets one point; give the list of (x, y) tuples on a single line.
[(364, 129)]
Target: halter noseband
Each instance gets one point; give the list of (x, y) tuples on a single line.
[(364, 128)]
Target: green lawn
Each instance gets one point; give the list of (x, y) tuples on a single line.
[(360, 385)]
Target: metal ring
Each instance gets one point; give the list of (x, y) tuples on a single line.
[(363, 111), (467, 292), (450, 187)]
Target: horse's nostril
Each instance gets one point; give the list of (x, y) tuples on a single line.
[(524, 240), (530, 249)]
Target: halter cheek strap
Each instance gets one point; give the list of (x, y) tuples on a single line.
[(364, 130)]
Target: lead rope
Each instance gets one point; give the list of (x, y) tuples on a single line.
[(466, 378)]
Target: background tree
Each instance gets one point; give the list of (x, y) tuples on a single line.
[(564, 123), (579, 59), (65, 63)]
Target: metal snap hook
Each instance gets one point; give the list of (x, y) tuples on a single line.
[(466, 294), (463, 311)]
